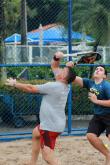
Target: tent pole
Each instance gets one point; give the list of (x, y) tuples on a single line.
[(41, 42)]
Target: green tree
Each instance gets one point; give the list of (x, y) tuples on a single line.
[(43, 12), (12, 16), (38, 12), (92, 16), (2, 36), (89, 16), (2, 29)]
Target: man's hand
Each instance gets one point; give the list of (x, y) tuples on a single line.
[(92, 97), (59, 55), (10, 82), (70, 64), (56, 60)]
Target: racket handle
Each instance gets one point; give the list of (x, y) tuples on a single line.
[(70, 55), (77, 54)]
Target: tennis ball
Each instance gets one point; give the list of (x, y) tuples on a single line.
[(106, 145)]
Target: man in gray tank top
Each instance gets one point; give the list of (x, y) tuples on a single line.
[(52, 110)]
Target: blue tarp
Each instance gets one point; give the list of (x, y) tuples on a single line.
[(57, 34), (13, 38), (54, 34)]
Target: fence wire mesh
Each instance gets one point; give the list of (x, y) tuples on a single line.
[(21, 110)]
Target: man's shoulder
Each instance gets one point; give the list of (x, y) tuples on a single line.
[(54, 83), (106, 83), (88, 80)]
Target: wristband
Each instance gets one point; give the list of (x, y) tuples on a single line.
[(55, 58)]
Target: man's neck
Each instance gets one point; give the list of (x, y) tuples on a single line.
[(61, 80), (98, 80)]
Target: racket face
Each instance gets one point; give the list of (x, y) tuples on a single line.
[(90, 58)]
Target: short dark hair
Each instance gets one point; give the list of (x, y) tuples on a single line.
[(71, 75), (104, 69)]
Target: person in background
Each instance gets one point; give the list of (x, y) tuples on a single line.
[(99, 95)]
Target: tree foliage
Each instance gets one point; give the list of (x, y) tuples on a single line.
[(43, 12), (92, 17), (12, 16), (89, 16)]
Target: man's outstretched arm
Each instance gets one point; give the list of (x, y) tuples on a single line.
[(24, 87), (78, 80)]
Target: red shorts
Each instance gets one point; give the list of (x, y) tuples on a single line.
[(48, 138)]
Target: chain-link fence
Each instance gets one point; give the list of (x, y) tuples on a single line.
[(34, 54), (21, 110), (30, 32)]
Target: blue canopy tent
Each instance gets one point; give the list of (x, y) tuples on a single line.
[(56, 35), (51, 35), (15, 39)]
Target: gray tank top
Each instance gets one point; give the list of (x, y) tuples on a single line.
[(52, 110)]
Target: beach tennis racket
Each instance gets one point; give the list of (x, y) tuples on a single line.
[(87, 57)]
